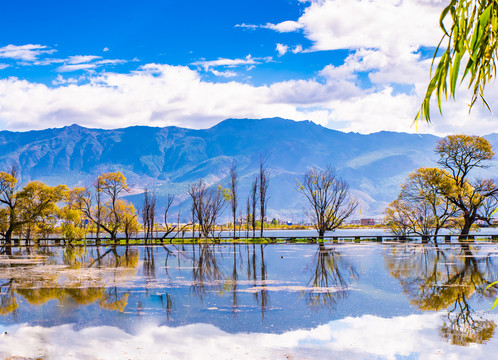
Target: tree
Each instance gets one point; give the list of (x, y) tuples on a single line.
[(37, 206), (207, 205), (111, 214), (421, 207), (148, 213), (264, 182), (458, 155), (8, 187), (233, 192), (431, 198), (129, 217), (329, 198), (254, 199), (31, 206), (472, 35), (71, 215)]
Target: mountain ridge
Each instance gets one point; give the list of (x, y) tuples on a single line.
[(169, 158)]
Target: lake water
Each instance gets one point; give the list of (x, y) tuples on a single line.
[(302, 301)]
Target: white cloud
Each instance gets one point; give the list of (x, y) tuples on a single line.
[(365, 337), (3, 66), (28, 52), (227, 73), (247, 26), (75, 67), (60, 80), (111, 62), (105, 49), (285, 26), (80, 59), (282, 49), (163, 95), (390, 25), (248, 60), (297, 49)]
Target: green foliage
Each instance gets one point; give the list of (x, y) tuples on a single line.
[(472, 35)]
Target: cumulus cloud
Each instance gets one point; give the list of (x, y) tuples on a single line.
[(28, 52), (3, 66), (297, 49), (282, 49), (163, 95), (390, 25)]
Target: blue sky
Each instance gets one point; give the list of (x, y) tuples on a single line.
[(349, 65)]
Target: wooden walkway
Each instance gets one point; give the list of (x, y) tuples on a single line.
[(388, 239)]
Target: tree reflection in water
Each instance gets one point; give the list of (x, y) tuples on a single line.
[(331, 277), (205, 269), (435, 279), (37, 288)]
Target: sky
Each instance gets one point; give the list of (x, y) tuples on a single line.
[(349, 65)]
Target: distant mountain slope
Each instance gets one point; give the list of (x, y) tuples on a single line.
[(170, 158)]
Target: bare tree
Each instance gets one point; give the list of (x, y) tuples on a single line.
[(254, 199), (329, 198), (207, 205), (233, 192), (248, 215), (169, 229), (149, 213), (264, 182)]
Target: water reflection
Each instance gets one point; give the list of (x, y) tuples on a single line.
[(437, 279), (331, 278), (38, 276)]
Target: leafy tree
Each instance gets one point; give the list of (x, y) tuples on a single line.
[(472, 35), (35, 205), (433, 198), (71, 216), (421, 208), (110, 213), (458, 155)]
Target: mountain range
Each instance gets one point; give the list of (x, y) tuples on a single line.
[(168, 159)]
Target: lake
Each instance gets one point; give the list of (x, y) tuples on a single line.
[(300, 301)]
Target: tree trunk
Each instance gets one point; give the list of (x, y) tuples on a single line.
[(466, 228)]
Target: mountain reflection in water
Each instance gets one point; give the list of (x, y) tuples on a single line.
[(257, 288)]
